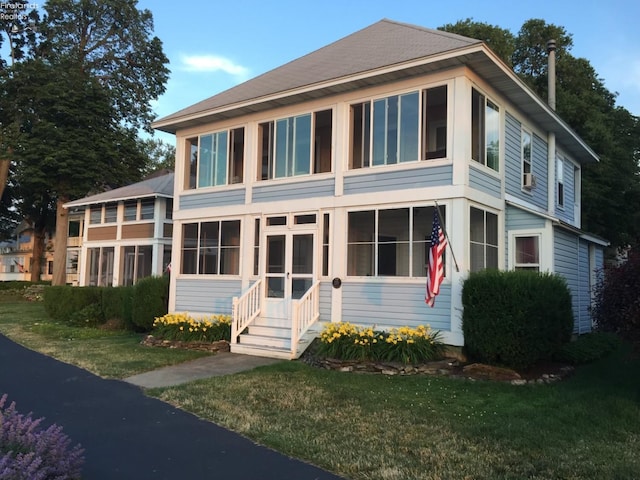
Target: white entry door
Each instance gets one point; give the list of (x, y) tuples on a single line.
[(289, 270)]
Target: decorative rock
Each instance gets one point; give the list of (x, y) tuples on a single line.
[(518, 382)]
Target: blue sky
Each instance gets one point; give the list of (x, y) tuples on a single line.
[(214, 45)]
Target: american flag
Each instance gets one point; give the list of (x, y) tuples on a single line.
[(435, 271)]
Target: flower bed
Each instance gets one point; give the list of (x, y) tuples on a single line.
[(406, 345), (185, 328)]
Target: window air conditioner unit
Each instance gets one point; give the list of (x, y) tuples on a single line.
[(529, 181)]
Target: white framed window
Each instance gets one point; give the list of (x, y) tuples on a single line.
[(293, 146), (400, 128), (215, 159), (560, 182), (391, 242), (211, 248), (485, 131), (526, 157), (526, 252), (483, 235)]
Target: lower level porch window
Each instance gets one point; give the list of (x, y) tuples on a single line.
[(211, 248), (390, 242)]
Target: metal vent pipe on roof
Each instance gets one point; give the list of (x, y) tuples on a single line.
[(551, 73)]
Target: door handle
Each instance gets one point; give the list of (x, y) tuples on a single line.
[(287, 274)]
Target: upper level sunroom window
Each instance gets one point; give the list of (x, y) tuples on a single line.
[(485, 131), (215, 159), (399, 128), (293, 146)]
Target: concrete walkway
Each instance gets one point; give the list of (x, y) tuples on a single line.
[(222, 363)]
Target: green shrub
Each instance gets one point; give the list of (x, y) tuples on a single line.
[(20, 284), (589, 348), (515, 318), (89, 316), (61, 302), (150, 300), (617, 301), (117, 303)]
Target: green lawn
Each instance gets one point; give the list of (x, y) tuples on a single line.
[(376, 427), (110, 354)]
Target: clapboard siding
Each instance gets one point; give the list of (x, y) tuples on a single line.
[(206, 295), (566, 258), (584, 295), (325, 301), (513, 164), (222, 198), (399, 180), (484, 181), (293, 191), (517, 219), (394, 305), (566, 212)]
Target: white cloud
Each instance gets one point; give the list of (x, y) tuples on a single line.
[(212, 63)]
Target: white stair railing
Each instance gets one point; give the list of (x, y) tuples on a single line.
[(246, 309), (305, 312)]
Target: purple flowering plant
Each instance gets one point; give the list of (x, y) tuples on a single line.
[(30, 452)]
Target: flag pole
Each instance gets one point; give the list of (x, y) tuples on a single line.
[(444, 230)]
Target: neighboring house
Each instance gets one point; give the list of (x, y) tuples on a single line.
[(123, 235), (308, 191), (16, 255)]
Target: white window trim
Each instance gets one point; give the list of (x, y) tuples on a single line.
[(544, 245), (527, 190)]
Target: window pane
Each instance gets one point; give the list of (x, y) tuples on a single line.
[(220, 157), (192, 162), (493, 136), (302, 151), (394, 224), (527, 250), (436, 122), (409, 130), (111, 213), (303, 253), (205, 161), (361, 258), (392, 130), (106, 267), (95, 215), (282, 138), (477, 126), (231, 233), (130, 210), (129, 265), (236, 174), (477, 257), (299, 287), (361, 226), (230, 260), (189, 248), (145, 252), (209, 247), (492, 257), (492, 229), (379, 132), (275, 253), (146, 209), (477, 225), (94, 265)]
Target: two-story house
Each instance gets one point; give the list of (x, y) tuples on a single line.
[(306, 194), (121, 235)]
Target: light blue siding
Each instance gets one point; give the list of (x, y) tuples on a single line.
[(485, 182), (325, 301), (566, 212), (517, 219), (372, 182), (206, 295), (293, 191), (513, 165), (394, 305), (584, 288), (212, 199), (566, 260)]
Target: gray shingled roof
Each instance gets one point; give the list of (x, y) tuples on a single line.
[(380, 45), (383, 52), (161, 186)]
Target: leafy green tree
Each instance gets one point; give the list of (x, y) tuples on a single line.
[(610, 188), (161, 155), (500, 40), (78, 98)]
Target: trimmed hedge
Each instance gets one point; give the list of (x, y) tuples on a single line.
[(136, 306), (515, 318), (150, 300)]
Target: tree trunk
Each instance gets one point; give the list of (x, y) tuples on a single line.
[(60, 252), (4, 174), (38, 252)]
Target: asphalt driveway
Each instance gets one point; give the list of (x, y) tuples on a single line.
[(127, 435)]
